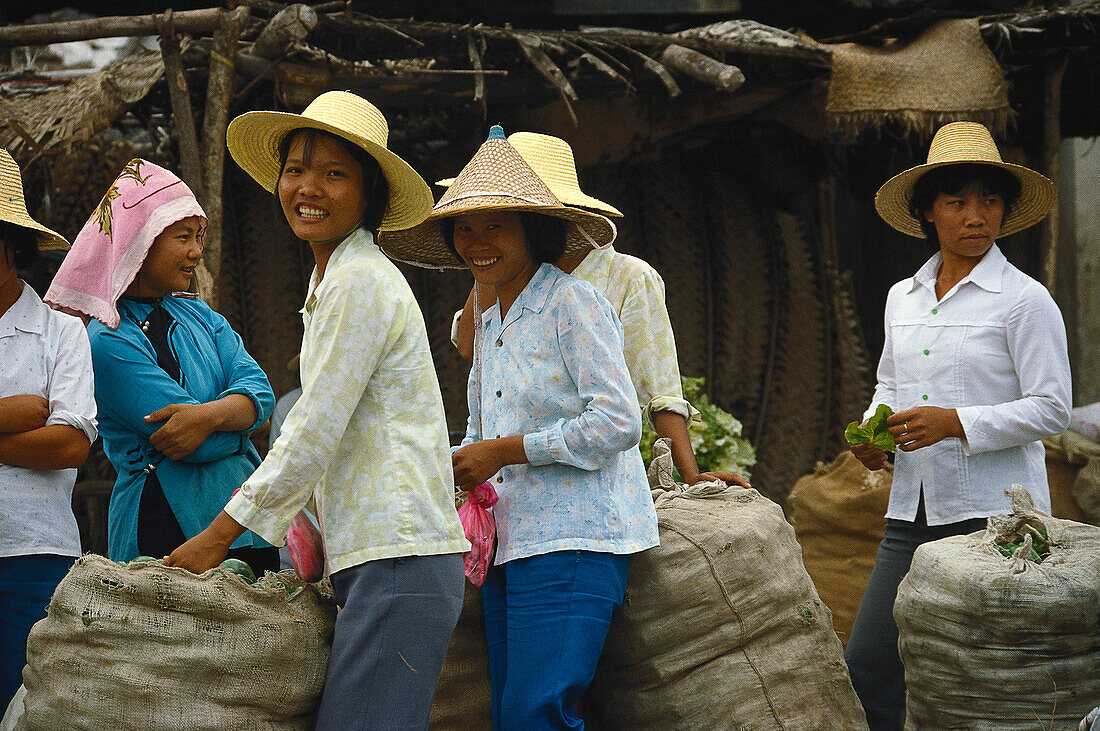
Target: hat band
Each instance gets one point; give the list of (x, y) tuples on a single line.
[(932, 158)]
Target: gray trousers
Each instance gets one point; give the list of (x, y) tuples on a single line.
[(395, 623), (872, 651)]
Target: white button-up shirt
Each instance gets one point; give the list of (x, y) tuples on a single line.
[(44, 353), (994, 348)]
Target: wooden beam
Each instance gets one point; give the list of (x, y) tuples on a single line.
[(1051, 165), (183, 120), (219, 92), (185, 21)]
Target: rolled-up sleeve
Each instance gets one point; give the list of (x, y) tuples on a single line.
[(1036, 337), (591, 343), (362, 324), (72, 385)]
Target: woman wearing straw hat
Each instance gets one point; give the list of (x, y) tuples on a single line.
[(47, 424), (554, 424), (975, 367), (367, 439), (178, 393), (636, 292)]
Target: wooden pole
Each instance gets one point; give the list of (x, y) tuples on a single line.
[(183, 120), (1052, 142), (219, 91), (702, 67), (186, 21)]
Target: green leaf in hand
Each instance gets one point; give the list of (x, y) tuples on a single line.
[(875, 432)]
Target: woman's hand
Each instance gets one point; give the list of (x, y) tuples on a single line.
[(478, 462), (186, 427), (923, 426), (871, 456), (22, 413), (209, 548), (729, 478)]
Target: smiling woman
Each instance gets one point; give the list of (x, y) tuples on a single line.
[(178, 393)]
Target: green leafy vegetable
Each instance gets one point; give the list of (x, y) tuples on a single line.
[(717, 440), (240, 568), (875, 432)]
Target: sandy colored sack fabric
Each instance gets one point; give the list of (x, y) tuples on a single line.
[(838, 514), (462, 697), (946, 74), (143, 646), (994, 642), (1073, 465), (721, 627)]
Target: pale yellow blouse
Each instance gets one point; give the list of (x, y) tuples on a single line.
[(368, 437)]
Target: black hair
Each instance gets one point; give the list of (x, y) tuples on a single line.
[(954, 179), (545, 235), (19, 242), (376, 189)]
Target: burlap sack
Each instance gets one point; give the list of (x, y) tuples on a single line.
[(721, 627), (838, 514), (144, 646), (1073, 463), (462, 698), (990, 642)]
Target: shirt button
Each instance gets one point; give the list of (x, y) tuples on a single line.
[(925, 397), (500, 479), (498, 394), (499, 342), (935, 312), (927, 351)]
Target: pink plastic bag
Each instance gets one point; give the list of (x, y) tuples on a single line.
[(307, 550), (481, 531)]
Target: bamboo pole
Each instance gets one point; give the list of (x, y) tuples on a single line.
[(183, 120), (1052, 142), (219, 91), (186, 21)]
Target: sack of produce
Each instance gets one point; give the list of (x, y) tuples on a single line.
[(143, 646), (1067, 454), (838, 514), (462, 697), (1000, 629), (721, 627)]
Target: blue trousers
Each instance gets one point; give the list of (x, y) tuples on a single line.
[(26, 585), (546, 619), (872, 652), (392, 631)]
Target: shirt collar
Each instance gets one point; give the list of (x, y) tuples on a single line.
[(356, 240), (988, 274), (533, 297), (25, 314)]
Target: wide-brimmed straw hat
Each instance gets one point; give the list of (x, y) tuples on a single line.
[(254, 139), (552, 160), (13, 206), (496, 179), (965, 143)]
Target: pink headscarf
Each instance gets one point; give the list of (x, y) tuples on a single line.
[(108, 252)]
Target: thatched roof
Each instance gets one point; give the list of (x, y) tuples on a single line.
[(421, 66)]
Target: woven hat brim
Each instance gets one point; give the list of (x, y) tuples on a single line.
[(423, 245), (1037, 197), (48, 240), (254, 138)]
